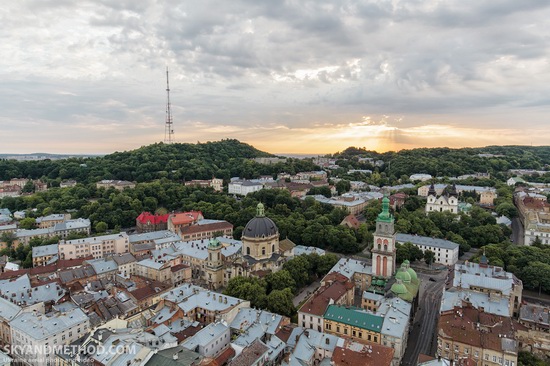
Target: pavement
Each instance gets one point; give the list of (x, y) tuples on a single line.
[(305, 292), (423, 331)]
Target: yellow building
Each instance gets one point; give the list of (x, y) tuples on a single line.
[(353, 323)]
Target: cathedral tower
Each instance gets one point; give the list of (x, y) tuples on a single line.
[(383, 249)]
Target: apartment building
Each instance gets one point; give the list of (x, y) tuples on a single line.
[(98, 246)]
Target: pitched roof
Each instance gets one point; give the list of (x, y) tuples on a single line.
[(250, 354), (212, 226), (185, 218), (286, 245), (317, 304), (352, 221), (355, 317), (364, 355), (149, 218)]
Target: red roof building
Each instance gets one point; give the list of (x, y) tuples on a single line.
[(147, 222)]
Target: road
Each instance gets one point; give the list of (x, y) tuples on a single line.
[(423, 333), (517, 231), (305, 292)]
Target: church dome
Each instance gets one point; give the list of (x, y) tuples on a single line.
[(214, 243), (412, 273), (260, 226), (403, 275), (398, 288)]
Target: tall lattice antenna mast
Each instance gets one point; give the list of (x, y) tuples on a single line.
[(169, 125)]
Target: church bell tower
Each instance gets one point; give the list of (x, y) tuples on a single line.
[(383, 249)]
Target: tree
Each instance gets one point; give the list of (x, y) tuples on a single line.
[(408, 251), (507, 209), (248, 288), (101, 227), (280, 280), (27, 223), (28, 187), (280, 302), (343, 186), (299, 268), (429, 257)]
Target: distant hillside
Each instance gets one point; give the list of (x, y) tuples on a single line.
[(222, 159), (453, 162)]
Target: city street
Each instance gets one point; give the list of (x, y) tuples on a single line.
[(517, 232), (304, 294), (423, 334)]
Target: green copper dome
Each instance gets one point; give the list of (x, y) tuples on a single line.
[(406, 261), (398, 288), (412, 273), (403, 275), (214, 243), (385, 215)]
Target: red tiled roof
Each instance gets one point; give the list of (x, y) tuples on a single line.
[(317, 304), (185, 218), (149, 218), (380, 356), (225, 356), (216, 226), (351, 219), (149, 290)]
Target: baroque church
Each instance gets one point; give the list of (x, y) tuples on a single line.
[(258, 256), (448, 201)]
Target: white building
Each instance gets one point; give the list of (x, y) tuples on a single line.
[(420, 177), (98, 246), (443, 203), (37, 331), (210, 340), (244, 187), (446, 252)]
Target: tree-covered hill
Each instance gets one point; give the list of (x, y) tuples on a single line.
[(453, 162), (223, 159)]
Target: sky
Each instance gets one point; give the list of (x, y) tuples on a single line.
[(285, 76)]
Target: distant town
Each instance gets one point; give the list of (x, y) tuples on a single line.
[(219, 254)]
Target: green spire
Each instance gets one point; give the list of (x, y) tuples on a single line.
[(214, 243), (385, 215), (260, 212)]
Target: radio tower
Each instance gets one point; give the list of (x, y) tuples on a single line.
[(169, 124)]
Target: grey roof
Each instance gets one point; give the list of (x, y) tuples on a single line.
[(151, 236), (5, 211), (165, 357), (427, 241), (103, 265), (151, 264), (534, 313), (96, 239), (260, 226), (301, 249), (8, 310), (45, 250), (204, 336), (73, 225), (309, 342), (396, 313), (53, 217), (21, 291), (189, 297), (39, 326), (22, 233), (125, 258), (372, 296), (452, 298), (490, 277), (348, 267)]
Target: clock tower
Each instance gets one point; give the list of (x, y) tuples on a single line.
[(383, 249)]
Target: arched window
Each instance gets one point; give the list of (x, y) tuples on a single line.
[(385, 247), (379, 241), (379, 246)]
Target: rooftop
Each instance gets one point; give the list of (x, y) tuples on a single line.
[(355, 317), (39, 326), (427, 241), (348, 267), (45, 250)]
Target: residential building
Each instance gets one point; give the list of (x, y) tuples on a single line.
[(270, 161), (116, 184), (50, 220), (178, 220), (147, 222), (337, 291), (446, 252), (311, 347), (488, 339), (158, 271), (98, 246), (215, 183), (534, 337), (33, 329), (350, 203), (243, 187), (67, 184), (534, 214), (209, 341), (492, 281), (396, 315), (206, 229), (180, 273), (44, 254), (61, 230), (199, 304), (8, 311), (255, 354), (355, 354), (126, 264), (354, 323)]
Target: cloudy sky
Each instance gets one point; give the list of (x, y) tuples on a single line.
[(286, 76)]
